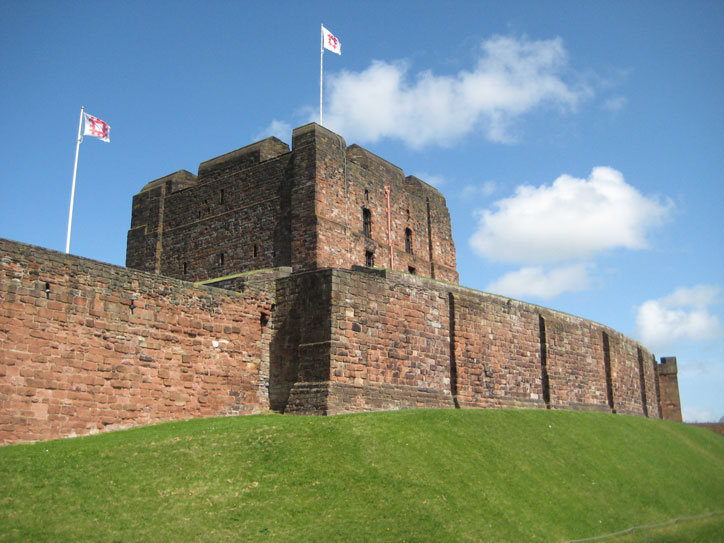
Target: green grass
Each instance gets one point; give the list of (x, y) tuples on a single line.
[(422, 475), (700, 530)]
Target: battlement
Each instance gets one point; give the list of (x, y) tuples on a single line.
[(668, 366), (246, 157), (174, 182), (374, 164)]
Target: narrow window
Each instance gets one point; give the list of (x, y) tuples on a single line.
[(408, 241), (367, 222), (221, 196), (256, 250), (408, 214), (221, 259), (369, 259), (367, 195), (411, 270), (186, 267)]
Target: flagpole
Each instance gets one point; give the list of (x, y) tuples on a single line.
[(321, 64), (75, 170)]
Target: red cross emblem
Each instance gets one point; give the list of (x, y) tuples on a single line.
[(96, 128)]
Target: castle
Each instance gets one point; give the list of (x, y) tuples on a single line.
[(312, 280)]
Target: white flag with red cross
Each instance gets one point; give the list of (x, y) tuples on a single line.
[(331, 42), (96, 128)]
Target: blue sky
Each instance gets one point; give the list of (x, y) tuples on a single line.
[(580, 145)]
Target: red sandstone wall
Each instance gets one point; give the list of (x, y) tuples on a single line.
[(228, 220), (391, 348), (575, 363), (75, 359), (300, 210), (389, 344), (626, 375), (497, 352), (202, 223), (300, 345), (648, 362), (669, 390), (350, 179), (262, 206)]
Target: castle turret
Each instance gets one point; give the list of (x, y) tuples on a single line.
[(669, 389)]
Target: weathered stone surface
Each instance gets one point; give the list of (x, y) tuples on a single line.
[(266, 206), (286, 313), (76, 357), (669, 389)]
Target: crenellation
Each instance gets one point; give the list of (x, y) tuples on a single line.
[(233, 162)]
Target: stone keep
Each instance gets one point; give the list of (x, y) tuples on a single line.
[(321, 205), (274, 280)]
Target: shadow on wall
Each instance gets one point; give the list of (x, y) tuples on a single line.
[(299, 355)]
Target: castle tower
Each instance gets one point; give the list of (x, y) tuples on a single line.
[(320, 204), (669, 389)]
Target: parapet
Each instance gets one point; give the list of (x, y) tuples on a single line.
[(177, 181), (418, 187), (668, 366), (243, 158), (373, 163), (313, 134)]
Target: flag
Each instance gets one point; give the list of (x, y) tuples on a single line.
[(331, 42), (94, 127)]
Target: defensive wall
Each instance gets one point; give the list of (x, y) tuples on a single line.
[(390, 340), (316, 279), (87, 346)]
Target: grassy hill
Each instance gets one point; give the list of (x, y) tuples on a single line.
[(423, 475)]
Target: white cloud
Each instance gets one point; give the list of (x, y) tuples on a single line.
[(697, 414), (571, 219), (473, 191), (684, 314), (691, 369), (278, 129), (511, 77), (534, 281), (615, 104)]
